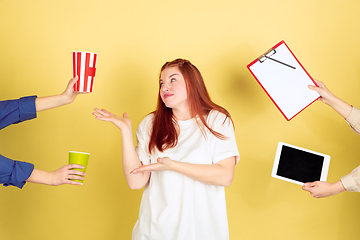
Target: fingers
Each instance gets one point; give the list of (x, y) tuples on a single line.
[(71, 173), (64, 175), (72, 182), (315, 88), (97, 114), (74, 175), (71, 166), (311, 184), (314, 188), (106, 112), (144, 168), (320, 86), (308, 186), (101, 114), (77, 177), (312, 87), (319, 83), (76, 172), (137, 170)]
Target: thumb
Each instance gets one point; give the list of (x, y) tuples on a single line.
[(312, 87), (74, 80)]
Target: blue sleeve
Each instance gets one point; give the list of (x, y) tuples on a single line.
[(15, 111), (14, 172)]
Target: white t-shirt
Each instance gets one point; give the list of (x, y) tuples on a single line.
[(174, 206)]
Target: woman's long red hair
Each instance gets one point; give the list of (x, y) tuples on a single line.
[(164, 134)]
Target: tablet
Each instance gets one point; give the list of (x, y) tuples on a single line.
[(299, 165)]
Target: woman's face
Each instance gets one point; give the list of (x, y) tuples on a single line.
[(173, 88)]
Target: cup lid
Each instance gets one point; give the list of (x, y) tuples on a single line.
[(79, 152)]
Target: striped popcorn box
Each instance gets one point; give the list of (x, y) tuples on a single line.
[(84, 66)]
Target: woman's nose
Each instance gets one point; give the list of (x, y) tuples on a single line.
[(165, 87)]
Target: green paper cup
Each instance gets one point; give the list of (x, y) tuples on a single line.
[(80, 158)]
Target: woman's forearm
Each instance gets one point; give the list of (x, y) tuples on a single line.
[(68, 96), (220, 174), (40, 176), (130, 161), (45, 103), (340, 106)]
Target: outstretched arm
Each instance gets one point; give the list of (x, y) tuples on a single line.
[(130, 159), (57, 177), (330, 99), (68, 96)]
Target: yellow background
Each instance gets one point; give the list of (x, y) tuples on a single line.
[(133, 39)]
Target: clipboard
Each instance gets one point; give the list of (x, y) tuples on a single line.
[(284, 80)]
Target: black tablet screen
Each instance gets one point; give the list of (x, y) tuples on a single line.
[(300, 165)]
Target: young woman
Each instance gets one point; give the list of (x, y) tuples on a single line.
[(350, 182), (185, 155)]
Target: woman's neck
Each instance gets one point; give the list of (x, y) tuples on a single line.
[(182, 115)]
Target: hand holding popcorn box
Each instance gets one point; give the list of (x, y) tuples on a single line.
[(84, 66)]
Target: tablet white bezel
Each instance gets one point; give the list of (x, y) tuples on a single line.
[(324, 171)]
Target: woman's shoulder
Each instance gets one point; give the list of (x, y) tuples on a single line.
[(147, 121), (215, 116), (145, 126), (220, 122)]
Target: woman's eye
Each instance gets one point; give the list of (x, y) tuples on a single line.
[(173, 80)]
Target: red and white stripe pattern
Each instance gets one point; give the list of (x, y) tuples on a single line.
[(84, 66)]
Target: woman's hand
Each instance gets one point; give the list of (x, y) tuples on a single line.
[(321, 189), (67, 97), (162, 164), (121, 122), (340, 106), (69, 94), (326, 96), (65, 173), (57, 177), (130, 159)]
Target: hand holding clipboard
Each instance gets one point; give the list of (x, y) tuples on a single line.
[(284, 80)]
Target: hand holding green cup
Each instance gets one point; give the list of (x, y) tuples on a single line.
[(80, 158)]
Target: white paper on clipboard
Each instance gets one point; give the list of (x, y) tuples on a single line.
[(284, 80)]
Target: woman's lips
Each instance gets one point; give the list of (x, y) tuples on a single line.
[(167, 95)]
